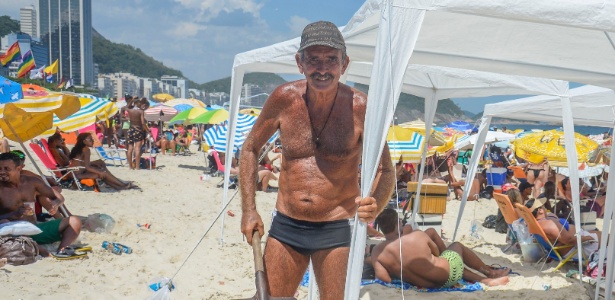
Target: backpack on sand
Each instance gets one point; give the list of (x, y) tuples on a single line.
[(19, 250)]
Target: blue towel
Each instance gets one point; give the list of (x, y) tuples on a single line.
[(461, 286)]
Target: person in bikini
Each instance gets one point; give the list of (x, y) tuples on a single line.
[(537, 174), (321, 130), (80, 157), (422, 259), (137, 132)]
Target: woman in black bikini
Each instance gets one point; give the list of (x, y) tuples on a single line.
[(537, 174), (80, 157)]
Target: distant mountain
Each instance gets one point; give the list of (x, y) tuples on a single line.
[(469, 114), (410, 108), (114, 57), (267, 81)]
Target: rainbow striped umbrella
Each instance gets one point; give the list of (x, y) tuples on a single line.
[(186, 116), (216, 116)]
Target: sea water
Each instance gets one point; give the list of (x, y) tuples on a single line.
[(591, 130)]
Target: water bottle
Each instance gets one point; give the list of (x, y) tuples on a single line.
[(112, 247)]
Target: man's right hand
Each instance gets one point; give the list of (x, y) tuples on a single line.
[(251, 221)]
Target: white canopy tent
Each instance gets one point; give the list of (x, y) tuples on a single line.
[(587, 105), (553, 39)]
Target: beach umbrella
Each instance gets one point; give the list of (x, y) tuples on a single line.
[(216, 136), (467, 141), (192, 102), (437, 138), (163, 97), (92, 109), (460, 126), (182, 107), (186, 116), (250, 111), (30, 88), (160, 112), (408, 144), (10, 91), (550, 145), (212, 117)]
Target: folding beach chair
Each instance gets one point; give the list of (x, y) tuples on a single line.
[(510, 215), (220, 171), (111, 154), (552, 251), (59, 174)]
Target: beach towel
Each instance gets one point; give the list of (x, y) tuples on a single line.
[(461, 286)]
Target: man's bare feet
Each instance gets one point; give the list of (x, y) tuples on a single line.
[(492, 272), (495, 281)]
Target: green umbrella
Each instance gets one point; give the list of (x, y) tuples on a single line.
[(188, 115), (211, 117)]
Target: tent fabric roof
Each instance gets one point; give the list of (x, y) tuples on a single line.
[(591, 106)]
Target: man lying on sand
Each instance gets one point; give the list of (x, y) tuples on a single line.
[(17, 189), (424, 261)]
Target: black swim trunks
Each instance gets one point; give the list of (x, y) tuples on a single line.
[(135, 134), (308, 237)]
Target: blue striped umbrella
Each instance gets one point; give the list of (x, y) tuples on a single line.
[(216, 136), (460, 125)]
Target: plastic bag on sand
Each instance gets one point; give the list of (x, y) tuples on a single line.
[(523, 233), (162, 287), (100, 223), (162, 294)]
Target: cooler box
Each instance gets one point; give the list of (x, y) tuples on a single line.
[(433, 197), (496, 176)]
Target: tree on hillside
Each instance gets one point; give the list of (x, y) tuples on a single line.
[(8, 25)]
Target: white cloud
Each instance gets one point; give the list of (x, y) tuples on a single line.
[(209, 9), (296, 24), (185, 29)]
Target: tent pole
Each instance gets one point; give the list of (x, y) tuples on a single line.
[(62, 208)]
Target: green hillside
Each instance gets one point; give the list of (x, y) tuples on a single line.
[(267, 81), (8, 25), (114, 57)]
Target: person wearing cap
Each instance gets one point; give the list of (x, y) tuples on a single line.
[(320, 121), (560, 232), (526, 189)]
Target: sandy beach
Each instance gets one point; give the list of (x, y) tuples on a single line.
[(181, 208)]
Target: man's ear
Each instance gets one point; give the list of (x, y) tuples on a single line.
[(298, 60), (345, 64)]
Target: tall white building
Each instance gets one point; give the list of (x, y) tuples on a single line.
[(27, 20), (180, 84)]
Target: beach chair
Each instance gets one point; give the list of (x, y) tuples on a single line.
[(542, 239), (60, 175), (510, 215), (220, 171), (111, 154)]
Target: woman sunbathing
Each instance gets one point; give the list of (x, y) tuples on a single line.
[(60, 152), (80, 157)]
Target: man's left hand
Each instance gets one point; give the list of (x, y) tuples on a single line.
[(368, 209)]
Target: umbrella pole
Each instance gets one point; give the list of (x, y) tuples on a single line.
[(62, 208)]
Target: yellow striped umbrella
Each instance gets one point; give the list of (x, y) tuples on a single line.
[(550, 145), (409, 142), (186, 116), (92, 109), (215, 116), (250, 111), (33, 115)]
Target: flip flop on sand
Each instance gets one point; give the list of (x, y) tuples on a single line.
[(79, 248), (68, 253), (500, 267)]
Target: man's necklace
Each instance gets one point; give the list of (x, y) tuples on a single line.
[(317, 140)]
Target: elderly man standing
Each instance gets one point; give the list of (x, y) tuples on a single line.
[(321, 131)]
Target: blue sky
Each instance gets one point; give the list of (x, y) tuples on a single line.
[(201, 37)]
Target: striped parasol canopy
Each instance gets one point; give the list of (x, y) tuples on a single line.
[(92, 109), (186, 116), (192, 102), (215, 116), (216, 135), (160, 112), (408, 144), (31, 116)]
